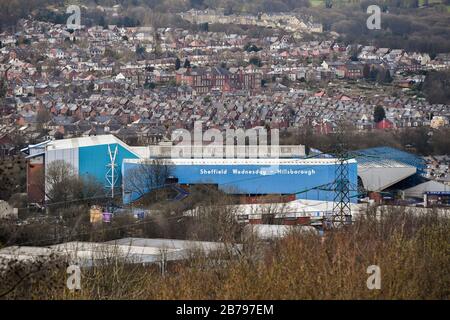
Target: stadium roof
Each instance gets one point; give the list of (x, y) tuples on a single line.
[(381, 167), (84, 142), (257, 161), (73, 143), (379, 175), (386, 155)]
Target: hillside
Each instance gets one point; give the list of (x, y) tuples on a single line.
[(408, 24)]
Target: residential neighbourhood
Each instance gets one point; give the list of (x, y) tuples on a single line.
[(91, 81), (224, 149)]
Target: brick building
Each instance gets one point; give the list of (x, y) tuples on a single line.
[(203, 80)]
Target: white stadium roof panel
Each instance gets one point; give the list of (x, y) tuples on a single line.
[(82, 142), (90, 141), (379, 177)]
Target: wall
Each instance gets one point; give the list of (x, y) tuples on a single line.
[(93, 161), (35, 180), (234, 179)]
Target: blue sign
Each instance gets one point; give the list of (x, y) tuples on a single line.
[(438, 193), (253, 179)]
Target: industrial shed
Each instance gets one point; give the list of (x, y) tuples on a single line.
[(419, 190), (300, 211), (132, 250)]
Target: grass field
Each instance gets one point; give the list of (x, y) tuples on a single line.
[(421, 2), (316, 3)]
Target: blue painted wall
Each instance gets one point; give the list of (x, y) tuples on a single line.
[(232, 179), (93, 161)]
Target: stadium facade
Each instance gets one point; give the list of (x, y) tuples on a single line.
[(97, 156), (302, 178), (112, 162)]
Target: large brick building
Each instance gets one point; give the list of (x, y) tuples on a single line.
[(203, 80), (354, 70)]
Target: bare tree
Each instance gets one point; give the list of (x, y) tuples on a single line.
[(148, 175), (59, 178), (62, 184), (271, 212), (214, 218)]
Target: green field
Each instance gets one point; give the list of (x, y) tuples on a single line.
[(421, 2), (317, 3)]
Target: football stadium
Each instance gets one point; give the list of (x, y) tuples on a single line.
[(120, 169)]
